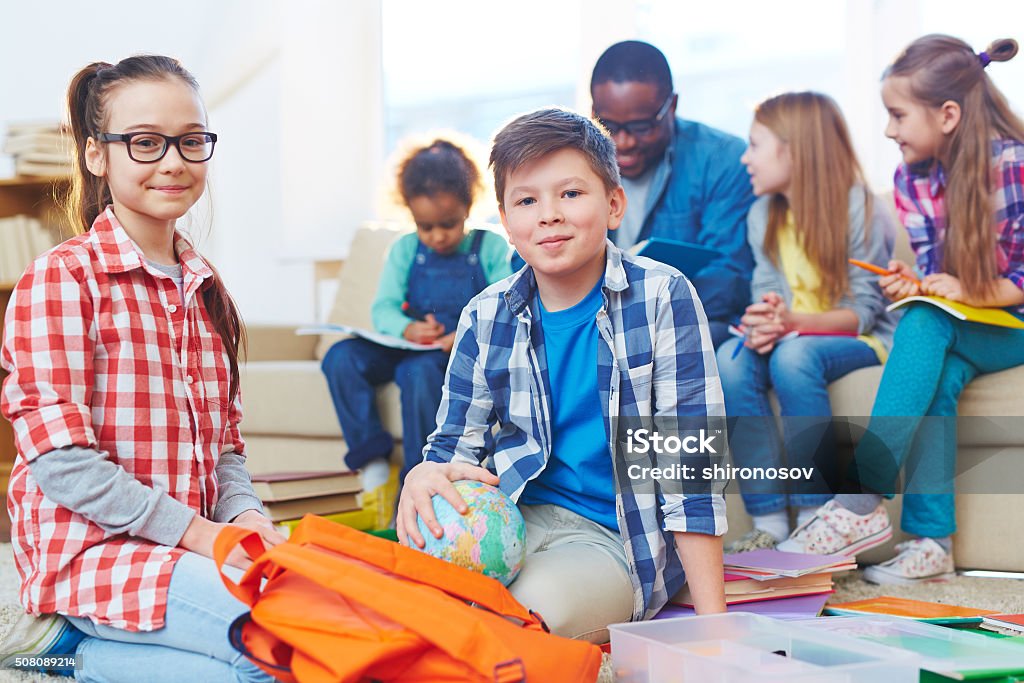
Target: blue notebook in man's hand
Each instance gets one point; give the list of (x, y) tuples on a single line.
[(686, 257)]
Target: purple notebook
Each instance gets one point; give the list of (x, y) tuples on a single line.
[(800, 607), (786, 564)]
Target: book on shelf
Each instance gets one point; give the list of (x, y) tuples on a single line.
[(22, 239), (686, 257), (281, 486), (988, 316), (321, 505), (24, 166), (930, 612), (19, 128), (45, 141), (740, 589), (369, 335)]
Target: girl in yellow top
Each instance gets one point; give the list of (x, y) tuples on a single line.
[(813, 213)]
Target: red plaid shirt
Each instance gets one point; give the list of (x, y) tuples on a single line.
[(102, 353)]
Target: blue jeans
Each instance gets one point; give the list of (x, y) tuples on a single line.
[(354, 368), (192, 646), (933, 358), (800, 371)]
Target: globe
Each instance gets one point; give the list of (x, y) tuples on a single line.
[(490, 538)]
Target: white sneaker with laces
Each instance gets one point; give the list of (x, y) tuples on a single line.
[(834, 529), (917, 561)]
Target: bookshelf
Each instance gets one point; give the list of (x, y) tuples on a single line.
[(30, 196)]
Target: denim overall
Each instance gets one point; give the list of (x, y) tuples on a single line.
[(441, 284)]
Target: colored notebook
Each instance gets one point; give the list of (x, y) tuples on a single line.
[(1010, 624), (740, 589), (798, 607), (686, 257), (770, 564), (930, 612), (987, 316)]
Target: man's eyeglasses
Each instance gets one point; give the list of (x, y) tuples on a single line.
[(147, 148), (641, 127)]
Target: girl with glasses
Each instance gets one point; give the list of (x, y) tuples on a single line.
[(122, 347)]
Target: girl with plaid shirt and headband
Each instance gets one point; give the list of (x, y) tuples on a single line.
[(960, 195), (122, 347)]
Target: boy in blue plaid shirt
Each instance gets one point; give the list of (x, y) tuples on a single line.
[(582, 340)]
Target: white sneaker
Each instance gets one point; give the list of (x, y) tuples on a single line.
[(38, 637), (834, 529), (916, 561)]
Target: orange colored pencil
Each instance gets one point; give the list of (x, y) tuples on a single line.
[(878, 270)]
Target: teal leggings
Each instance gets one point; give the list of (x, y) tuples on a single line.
[(934, 356)]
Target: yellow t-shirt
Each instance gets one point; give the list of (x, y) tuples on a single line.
[(805, 281)]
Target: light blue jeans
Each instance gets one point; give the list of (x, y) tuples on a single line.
[(933, 358), (192, 646), (800, 371)]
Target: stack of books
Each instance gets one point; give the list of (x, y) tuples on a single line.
[(22, 238), (793, 583), (288, 496), (309, 480), (39, 149)]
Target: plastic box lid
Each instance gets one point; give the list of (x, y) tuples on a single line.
[(947, 651), (739, 647)]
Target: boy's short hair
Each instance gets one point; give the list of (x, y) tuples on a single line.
[(541, 132)]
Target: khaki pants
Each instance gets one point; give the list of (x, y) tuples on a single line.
[(575, 574)]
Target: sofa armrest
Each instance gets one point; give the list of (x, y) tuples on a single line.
[(279, 342)]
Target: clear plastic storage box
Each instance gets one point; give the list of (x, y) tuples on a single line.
[(738, 647)]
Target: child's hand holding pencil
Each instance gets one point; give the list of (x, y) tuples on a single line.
[(898, 280)]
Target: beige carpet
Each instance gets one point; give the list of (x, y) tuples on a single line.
[(1004, 595)]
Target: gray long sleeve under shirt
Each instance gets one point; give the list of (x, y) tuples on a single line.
[(84, 480)]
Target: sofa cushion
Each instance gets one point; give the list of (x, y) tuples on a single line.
[(291, 398), (357, 282)]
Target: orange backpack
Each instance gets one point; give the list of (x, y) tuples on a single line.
[(342, 605)]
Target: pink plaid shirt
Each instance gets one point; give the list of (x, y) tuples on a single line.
[(103, 353), (920, 196)]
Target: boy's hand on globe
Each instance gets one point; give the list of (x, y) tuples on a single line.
[(422, 482)]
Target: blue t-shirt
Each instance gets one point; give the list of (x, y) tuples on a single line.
[(579, 473)]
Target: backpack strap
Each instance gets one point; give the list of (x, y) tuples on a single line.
[(248, 587), (417, 566)]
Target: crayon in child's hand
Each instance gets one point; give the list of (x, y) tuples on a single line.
[(878, 270)]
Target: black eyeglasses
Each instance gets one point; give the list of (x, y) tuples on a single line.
[(147, 148), (641, 127)]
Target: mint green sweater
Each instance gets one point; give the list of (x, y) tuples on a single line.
[(387, 314)]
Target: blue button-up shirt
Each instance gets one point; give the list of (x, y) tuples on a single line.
[(654, 358), (700, 193)]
